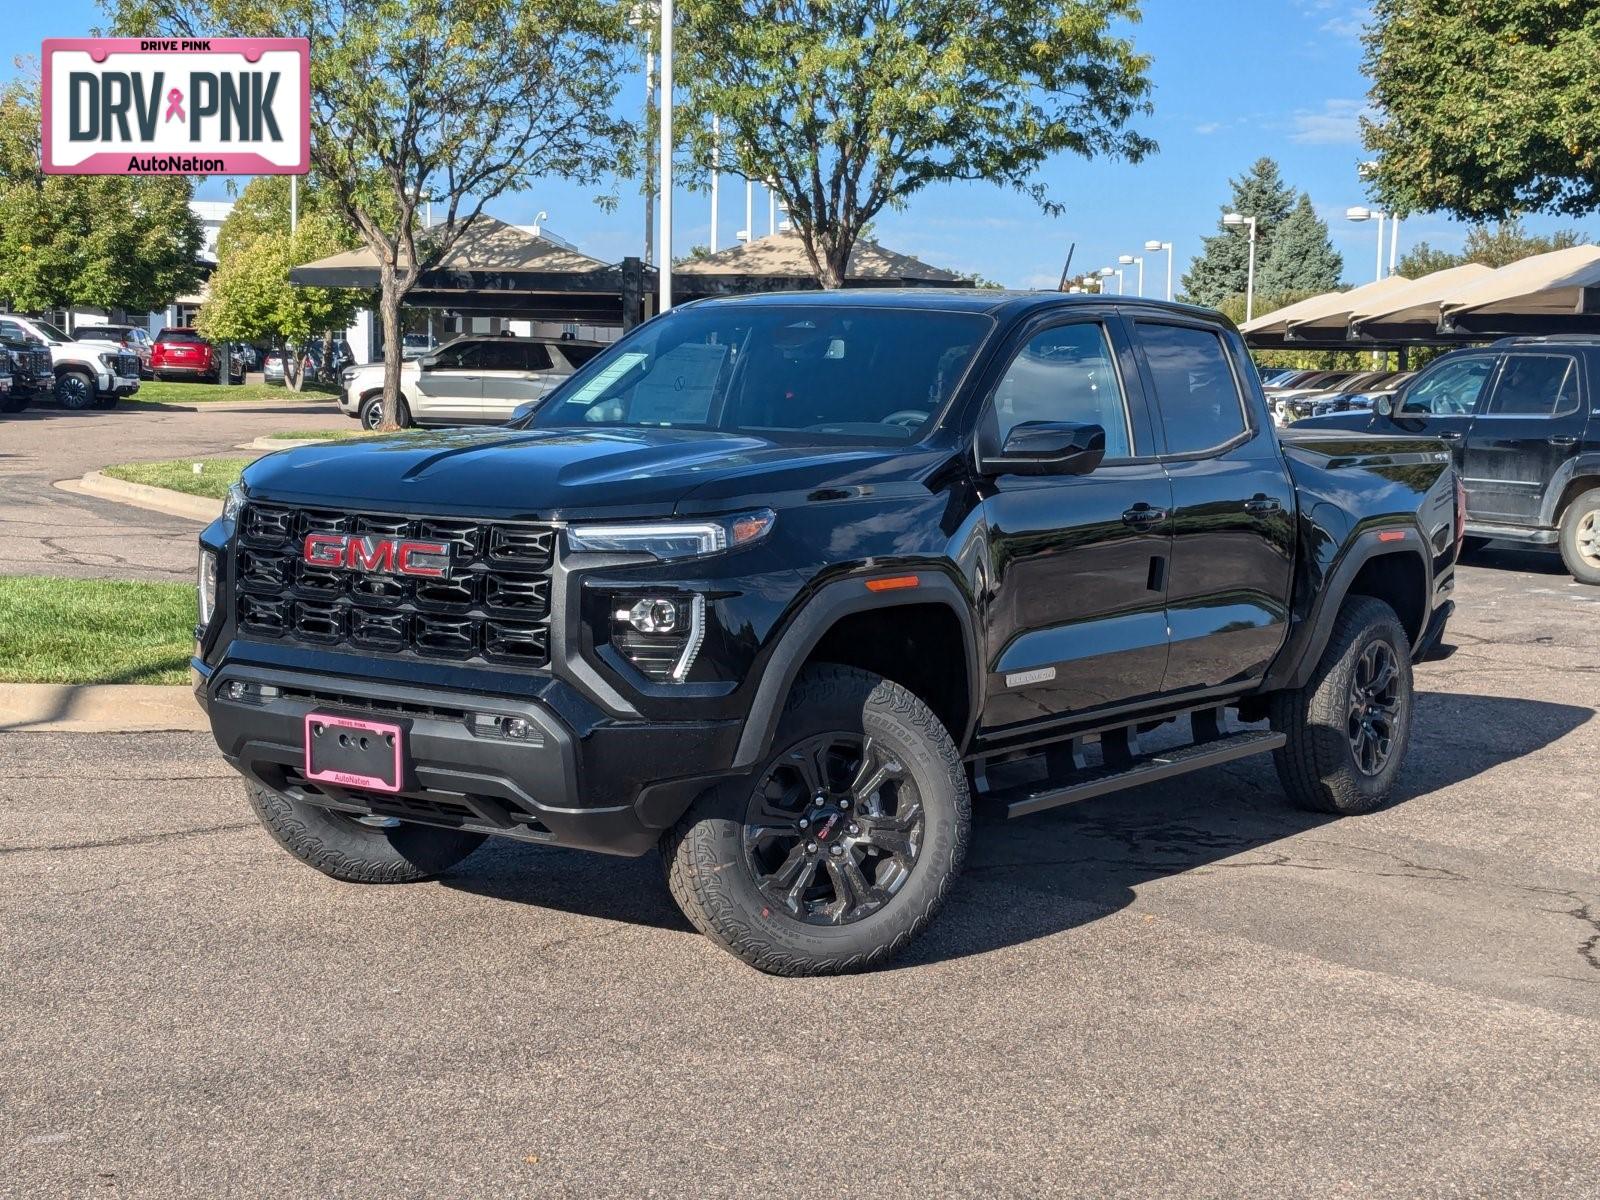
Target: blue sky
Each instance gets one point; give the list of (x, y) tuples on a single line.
[(1233, 80)]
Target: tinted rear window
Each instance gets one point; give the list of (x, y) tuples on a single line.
[(1195, 389), (187, 336)]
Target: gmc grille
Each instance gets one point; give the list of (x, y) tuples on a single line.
[(494, 607)]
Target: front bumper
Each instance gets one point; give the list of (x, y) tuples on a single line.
[(579, 779), (124, 385)]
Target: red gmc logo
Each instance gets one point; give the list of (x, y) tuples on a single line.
[(377, 556)]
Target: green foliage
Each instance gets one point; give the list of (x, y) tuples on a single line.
[(1301, 258), (1486, 109), (1497, 246), (105, 241), (1221, 269), (250, 297), (846, 107)]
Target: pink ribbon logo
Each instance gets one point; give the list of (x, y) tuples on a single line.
[(175, 105)]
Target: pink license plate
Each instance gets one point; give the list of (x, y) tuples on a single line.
[(354, 753)]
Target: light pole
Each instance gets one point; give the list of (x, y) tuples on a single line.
[(1234, 220), (716, 165), (1128, 260), (1105, 274), (747, 234), (639, 17), (664, 270), (1357, 213), (1156, 247)]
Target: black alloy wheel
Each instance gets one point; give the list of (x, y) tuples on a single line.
[(74, 390), (1375, 702), (833, 829)]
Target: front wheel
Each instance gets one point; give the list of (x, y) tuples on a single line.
[(356, 852), (1580, 537), (841, 846), (74, 391), (372, 413), (1349, 726)]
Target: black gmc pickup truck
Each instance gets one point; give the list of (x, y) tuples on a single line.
[(784, 585)]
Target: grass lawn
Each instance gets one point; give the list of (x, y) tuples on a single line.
[(314, 435), (94, 631), (154, 391), (216, 476)]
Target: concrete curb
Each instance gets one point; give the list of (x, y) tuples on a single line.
[(98, 708), (142, 495)]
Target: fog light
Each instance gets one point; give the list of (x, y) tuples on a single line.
[(516, 727), (237, 690), (651, 616)]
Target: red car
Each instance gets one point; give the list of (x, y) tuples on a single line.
[(181, 353)]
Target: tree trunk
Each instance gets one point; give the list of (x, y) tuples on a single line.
[(293, 377), (393, 346)]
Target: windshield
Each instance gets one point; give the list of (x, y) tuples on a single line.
[(876, 374), (50, 331)]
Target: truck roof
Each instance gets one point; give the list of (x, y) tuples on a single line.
[(972, 300)]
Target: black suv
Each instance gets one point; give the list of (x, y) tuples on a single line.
[(784, 585), (32, 374), (1523, 418)]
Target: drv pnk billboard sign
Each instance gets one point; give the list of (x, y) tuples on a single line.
[(176, 106)]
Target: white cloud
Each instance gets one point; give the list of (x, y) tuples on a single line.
[(1042, 279), (1350, 25), (1336, 124), (1208, 127)]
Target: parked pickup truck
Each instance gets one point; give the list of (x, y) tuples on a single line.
[(87, 374), (32, 375), (783, 585), (1522, 417)]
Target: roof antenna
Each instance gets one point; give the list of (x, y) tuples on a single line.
[(1062, 286)]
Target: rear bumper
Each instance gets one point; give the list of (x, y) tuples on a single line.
[(185, 369), (592, 784)]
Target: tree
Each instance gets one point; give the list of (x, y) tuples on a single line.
[(104, 241), (1301, 258), (250, 296), (1485, 110), (463, 100), (1499, 246), (846, 107), (1221, 268)]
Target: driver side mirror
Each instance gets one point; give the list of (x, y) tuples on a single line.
[(1048, 448), (1383, 406)]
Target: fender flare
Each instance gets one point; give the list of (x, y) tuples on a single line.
[(1307, 640), (835, 601), (1578, 466)]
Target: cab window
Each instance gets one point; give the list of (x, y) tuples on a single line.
[(1065, 373)]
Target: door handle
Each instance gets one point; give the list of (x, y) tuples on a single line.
[(1449, 435), (1142, 514), (1562, 440), (1262, 505)]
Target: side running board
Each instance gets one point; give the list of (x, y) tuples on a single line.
[(1021, 802)]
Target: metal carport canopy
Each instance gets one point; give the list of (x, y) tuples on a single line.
[(1557, 292), (1324, 319)]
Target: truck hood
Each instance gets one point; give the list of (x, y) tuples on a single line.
[(567, 473)]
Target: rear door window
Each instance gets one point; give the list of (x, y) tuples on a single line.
[(1196, 393), (1536, 385)]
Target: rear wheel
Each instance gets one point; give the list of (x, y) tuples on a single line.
[(74, 390), (1580, 537), (1349, 726), (354, 851), (839, 849)]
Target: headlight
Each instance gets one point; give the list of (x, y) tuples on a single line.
[(107, 361), (674, 540), (234, 504), (206, 586), (660, 634)]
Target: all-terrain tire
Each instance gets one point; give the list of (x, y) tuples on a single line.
[(338, 846), (1580, 537), (706, 865), (1318, 764)]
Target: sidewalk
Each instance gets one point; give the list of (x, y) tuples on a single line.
[(98, 708)]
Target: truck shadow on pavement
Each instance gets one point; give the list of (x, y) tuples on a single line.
[(1047, 874)]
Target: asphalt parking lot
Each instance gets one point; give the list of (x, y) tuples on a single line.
[(1186, 990)]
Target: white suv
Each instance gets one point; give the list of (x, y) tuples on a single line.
[(477, 379), (88, 374)]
